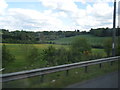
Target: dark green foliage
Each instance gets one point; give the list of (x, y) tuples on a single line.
[(7, 57), (49, 55), (47, 36), (81, 45), (55, 56), (18, 36), (104, 32), (31, 53), (80, 49), (61, 56), (34, 37)]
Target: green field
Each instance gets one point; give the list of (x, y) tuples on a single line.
[(21, 64), (93, 40)]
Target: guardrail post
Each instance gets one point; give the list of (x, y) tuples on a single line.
[(100, 65), (86, 69), (111, 63), (42, 78), (67, 72)]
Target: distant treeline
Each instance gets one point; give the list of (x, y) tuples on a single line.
[(47, 36), (104, 32), (35, 37)]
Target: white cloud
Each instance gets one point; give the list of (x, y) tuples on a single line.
[(102, 10), (85, 1), (119, 20), (3, 6), (97, 15), (93, 16), (17, 18), (63, 5)]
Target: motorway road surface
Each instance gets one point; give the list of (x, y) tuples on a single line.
[(107, 81)]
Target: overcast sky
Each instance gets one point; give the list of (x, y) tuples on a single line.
[(54, 15)]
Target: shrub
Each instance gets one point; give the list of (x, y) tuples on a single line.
[(31, 53), (61, 56), (80, 49), (49, 55), (7, 57)]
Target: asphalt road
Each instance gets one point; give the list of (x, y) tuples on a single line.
[(107, 81)]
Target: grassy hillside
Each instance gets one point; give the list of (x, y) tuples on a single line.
[(93, 40)]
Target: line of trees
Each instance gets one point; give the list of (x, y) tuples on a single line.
[(104, 32), (47, 36), (35, 37)]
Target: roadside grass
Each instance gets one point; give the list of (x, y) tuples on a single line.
[(21, 64), (61, 80)]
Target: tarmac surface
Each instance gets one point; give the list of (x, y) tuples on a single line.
[(107, 81)]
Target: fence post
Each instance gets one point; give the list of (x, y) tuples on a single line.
[(100, 65), (42, 78), (111, 63), (86, 69), (67, 72)]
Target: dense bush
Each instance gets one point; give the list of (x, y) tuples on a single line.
[(80, 49), (31, 53), (49, 55), (61, 56)]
